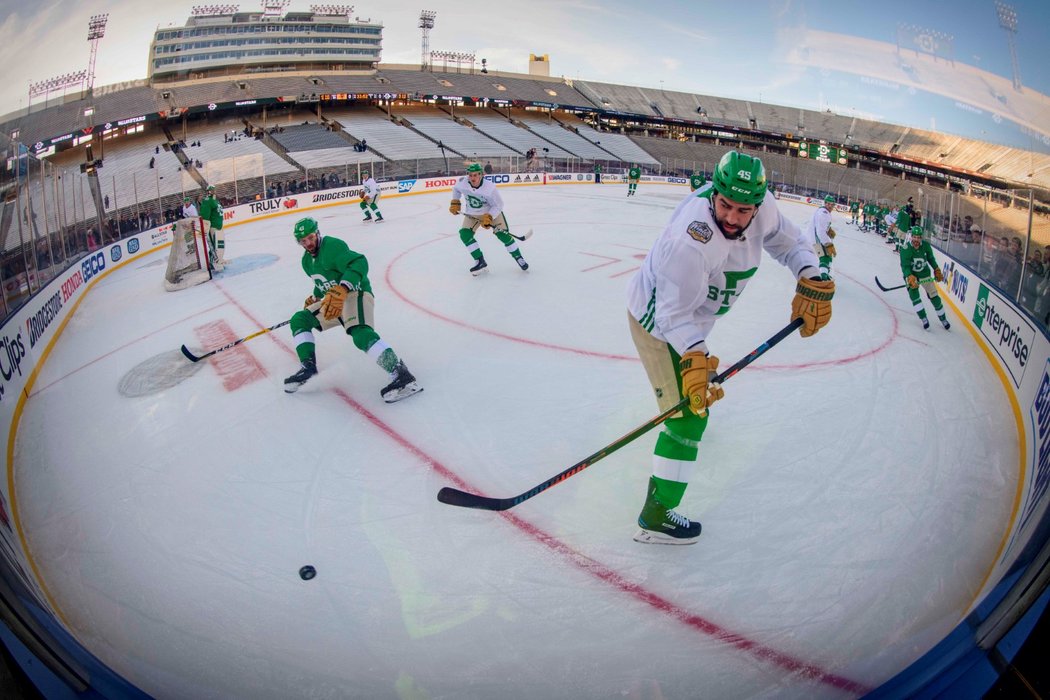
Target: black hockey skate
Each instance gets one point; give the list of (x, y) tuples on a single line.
[(522, 264), (944, 322), (479, 266), (403, 386), (306, 370), (926, 324)]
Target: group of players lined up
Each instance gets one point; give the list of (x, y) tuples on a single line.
[(902, 229)]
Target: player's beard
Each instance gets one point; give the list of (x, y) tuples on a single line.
[(736, 233)]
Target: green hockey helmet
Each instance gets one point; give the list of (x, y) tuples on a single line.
[(916, 231), (830, 198), (741, 178), (475, 168), (304, 227)]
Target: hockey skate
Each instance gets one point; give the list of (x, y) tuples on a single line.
[(944, 322), (402, 386), (659, 525), (479, 266), (926, 324), (522, 264), (379, 219), (307, 370), (368, 217)]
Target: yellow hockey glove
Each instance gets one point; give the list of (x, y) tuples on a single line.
[(812, 303), (332, 305), (697, 370)]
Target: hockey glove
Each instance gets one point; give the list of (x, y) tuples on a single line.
[(309, 300), (913, 281), (830, 248), (831, 232), (332, 306), (486, 220), (812, 303), (937, 274), (453, 208), (697, 370)]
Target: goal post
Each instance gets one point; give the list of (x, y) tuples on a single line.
[(188, 257)]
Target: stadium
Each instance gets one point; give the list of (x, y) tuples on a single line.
[(158, 511)]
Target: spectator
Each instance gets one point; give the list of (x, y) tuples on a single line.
[(488, 167), (105, 202), (152, 161)]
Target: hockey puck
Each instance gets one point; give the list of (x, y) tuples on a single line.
[(307, 572)]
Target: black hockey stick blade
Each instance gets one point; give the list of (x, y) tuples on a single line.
[(527, 236), (455, 497), (888, 289), (189, 355)]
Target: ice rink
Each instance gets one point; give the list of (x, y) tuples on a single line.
[(854, 487)]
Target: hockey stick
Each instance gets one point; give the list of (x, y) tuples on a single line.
[(888, 289), (197, 358), (455, 497), (527, 236)]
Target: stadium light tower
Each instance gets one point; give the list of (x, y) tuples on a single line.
[(1008, 21), (426, 23), (96, 30)]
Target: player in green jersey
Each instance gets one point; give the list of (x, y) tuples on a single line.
[(211, 212), (633, 175), (342, 296), (696, 181), (919, 267), (854, 211)]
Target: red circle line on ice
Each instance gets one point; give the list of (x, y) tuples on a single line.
[(388, 278)]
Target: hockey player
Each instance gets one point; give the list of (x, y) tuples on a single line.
[(484, 208), (633, 175), (916, 262), (854, 212), (342, 296), (189, 209), (369, 198), (902, 226), (818, 233), (211, 213), (696, 270), (696, 181)]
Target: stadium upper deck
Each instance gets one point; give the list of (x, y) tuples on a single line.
[(624, 106)]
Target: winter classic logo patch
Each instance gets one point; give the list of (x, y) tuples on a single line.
[(700, 231)]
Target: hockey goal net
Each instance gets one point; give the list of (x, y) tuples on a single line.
[(188, 257)]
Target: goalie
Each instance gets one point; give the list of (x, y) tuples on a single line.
[(211, 214), (342, 296)]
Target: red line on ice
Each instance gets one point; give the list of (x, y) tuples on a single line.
[(603, 573)]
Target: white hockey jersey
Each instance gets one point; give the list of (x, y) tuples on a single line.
[(694, 274), (815, 232), (475, 202), (371, 189)]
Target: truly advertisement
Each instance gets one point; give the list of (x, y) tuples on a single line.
[(1009, 333), (268, 205)]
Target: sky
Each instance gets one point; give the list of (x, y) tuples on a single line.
[(702, 47)]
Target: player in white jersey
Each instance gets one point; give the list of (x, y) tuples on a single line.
[(817, 234), (696, 270), (481, 205), (370, 198)]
